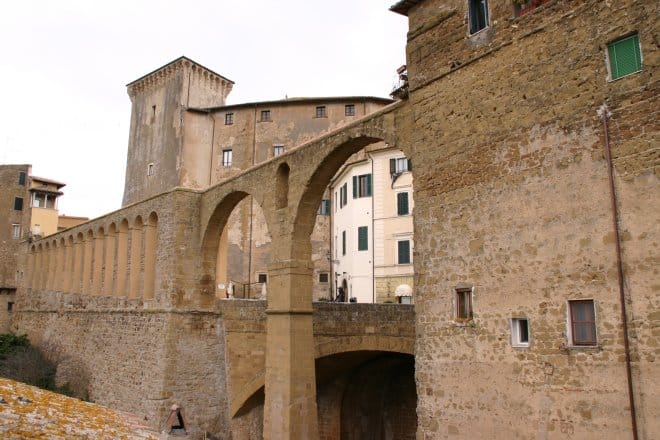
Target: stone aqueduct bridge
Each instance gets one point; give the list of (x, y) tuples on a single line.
[(150, 267)]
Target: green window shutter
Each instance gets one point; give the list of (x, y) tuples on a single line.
[(402, 203), (355, 187), (327, 206), (404, 252), (368, 185), (392, 166), (363, 238), (343, 242), (625, 56)]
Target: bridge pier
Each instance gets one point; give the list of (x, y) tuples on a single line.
[(290, 384)]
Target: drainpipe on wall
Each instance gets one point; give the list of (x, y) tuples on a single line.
[(373, 232), (604, 114)]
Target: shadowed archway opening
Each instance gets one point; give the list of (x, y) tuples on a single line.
[(236, 249), (360, 395)]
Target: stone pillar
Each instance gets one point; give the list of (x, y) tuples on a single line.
[(62, 265), (76, 279), (135, 262), (87, 264), (97, 279), (150, 244), (109, 266), (122, 261), (290, 406)]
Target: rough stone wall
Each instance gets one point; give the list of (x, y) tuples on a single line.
[(386, 287), (9, 247), (512, 198)]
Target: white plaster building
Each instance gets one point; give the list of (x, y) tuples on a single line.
[(372, 227)]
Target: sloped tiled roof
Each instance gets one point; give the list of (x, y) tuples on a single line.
[(29, 412)]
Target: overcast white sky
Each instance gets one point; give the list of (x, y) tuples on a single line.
[(65, 65)]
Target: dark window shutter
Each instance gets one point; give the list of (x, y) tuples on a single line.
[(404, 252), (409, 165), (18, 203), (327, 206), (343, 242), (355, 187), (363, 238), (21, 178), (392, 166), (402, 203), (625, 56), (368, 185)]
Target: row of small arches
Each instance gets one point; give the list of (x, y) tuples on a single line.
[(119, 260)]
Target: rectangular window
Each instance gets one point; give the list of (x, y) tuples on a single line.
[(400, 165), (402, 204), (362, 186), (18, 203), (363, 238), (227, 157), (262, 278), (321, 112), (343, 242), (582, 322), (405, 300), (323, 277), (625, 56), (324, 208), (229, 118), (520, 332), (463, 299), (21, 178), (403, 252), (150, 169), (265, 115), (349, 110), (10, 306), (343, 195), (277, 150), (15, 231), (477, 15)]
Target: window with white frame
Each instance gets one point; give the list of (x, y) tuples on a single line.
[(582, 323), (15, 231), (277, 150), (400, 165), (226, 158), (520, 332), (403, 251), (477, 15)]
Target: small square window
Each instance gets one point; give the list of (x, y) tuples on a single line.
[(363, 238), (16, 231), (265, 116), (582, 322), (323, 277), (349, 110), (18, 203), (21, 178), (262, 278), (321, 111), (324, 208), (463, 302), (227, 157), (520, 332), (229, 118), (277, 150), (625, 56), (362, 186)]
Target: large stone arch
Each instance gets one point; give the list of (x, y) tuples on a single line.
[(220, 208), (354, 344)]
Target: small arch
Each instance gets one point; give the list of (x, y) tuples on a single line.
[(150, 252), (282, 186)]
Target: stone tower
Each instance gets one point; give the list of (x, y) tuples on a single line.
[(156, 154)]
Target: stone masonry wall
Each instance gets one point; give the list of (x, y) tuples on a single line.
[(512, 199)]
